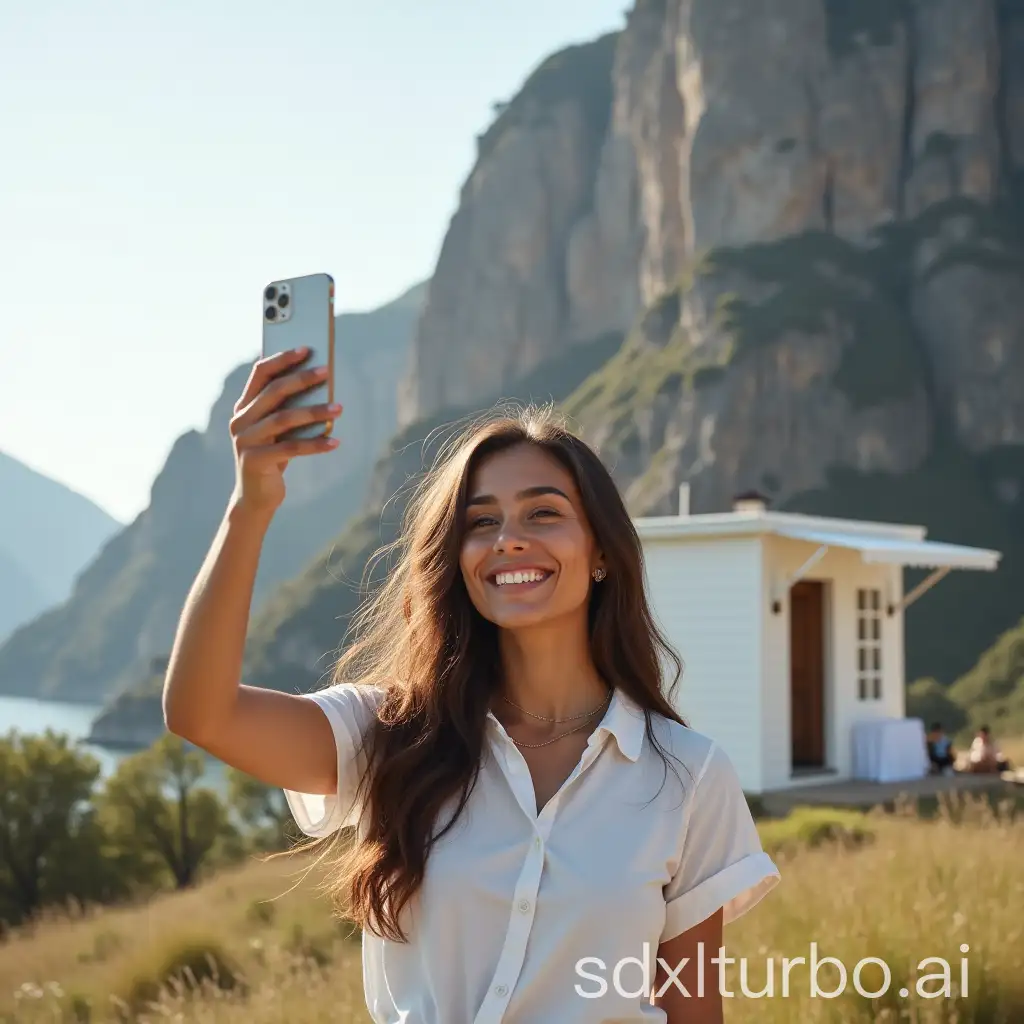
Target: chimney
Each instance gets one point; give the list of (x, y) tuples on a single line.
[(684, 500), (749, 501)]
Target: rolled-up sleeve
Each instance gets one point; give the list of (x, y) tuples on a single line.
[(350, 710), (722, 863)]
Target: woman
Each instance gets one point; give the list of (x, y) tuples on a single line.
[(539, 837)]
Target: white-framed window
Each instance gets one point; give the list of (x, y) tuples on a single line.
[(869, 644)]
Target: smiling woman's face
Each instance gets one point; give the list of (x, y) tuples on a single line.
[(528, 551)]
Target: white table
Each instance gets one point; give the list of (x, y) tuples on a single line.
[(890, 750)]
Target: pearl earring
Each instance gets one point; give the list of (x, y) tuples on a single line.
[(599, 574)]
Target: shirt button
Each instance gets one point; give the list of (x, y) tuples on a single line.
[(501, 990), (524, 906), (536, 841)]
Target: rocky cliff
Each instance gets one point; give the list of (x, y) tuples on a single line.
[(841, 180), (771, 244), (508, 243), (806, 218), (840, 322), (125, 605)]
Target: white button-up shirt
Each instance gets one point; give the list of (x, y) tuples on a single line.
[(528, 918)]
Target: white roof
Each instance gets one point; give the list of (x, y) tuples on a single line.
[(877, 542)]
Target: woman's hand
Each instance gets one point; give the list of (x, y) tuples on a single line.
[(258, 422)]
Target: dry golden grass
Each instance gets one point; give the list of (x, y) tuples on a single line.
[(266, 916), (908, 891)]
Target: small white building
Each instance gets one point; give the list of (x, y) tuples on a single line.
[(790, 628)]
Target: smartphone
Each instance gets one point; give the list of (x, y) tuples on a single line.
[(298, 312)]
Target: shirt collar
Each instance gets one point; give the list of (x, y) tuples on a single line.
[(625, 720)]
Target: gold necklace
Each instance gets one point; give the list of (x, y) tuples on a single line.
[(560, 736), (558, 721)]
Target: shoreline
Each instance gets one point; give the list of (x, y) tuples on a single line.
[(43, 698)]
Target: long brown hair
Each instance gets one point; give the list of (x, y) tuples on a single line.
[(421, 640)]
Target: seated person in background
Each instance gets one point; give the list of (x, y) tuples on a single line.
[(984, 757), (940, 749)]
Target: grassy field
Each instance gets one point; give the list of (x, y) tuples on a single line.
[(894, 887)]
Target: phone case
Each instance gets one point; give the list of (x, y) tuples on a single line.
[(299, 312)]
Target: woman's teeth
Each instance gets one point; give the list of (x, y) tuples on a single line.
[(526, 576)]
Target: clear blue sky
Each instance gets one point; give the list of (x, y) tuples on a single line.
[(161, 162)]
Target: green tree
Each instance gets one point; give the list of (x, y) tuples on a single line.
[(263, 811), (50, 844), (154, 806)]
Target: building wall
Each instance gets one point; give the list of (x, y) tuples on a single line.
[(844, 574), (706, 597)]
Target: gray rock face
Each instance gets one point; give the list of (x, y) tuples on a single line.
[(506, 246), (875, 144), (808, 216)]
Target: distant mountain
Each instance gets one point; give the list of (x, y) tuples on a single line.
[(48, 534), (21, 597), (125, 607)]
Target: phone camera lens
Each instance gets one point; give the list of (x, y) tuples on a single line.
[(283, 301), (271, 313), (270, 294)]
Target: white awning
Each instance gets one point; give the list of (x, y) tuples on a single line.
[(923, 554)]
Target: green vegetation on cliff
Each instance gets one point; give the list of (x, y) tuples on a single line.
[(656, 359), (991, 693), (814, 283), (817, 283)]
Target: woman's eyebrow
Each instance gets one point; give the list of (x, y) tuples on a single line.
[(529, 492)]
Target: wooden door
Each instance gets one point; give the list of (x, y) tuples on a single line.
[(807, 673)]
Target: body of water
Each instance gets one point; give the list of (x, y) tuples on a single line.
[(30, 716)]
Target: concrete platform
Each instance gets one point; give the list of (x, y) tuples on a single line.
[(865, 795)]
